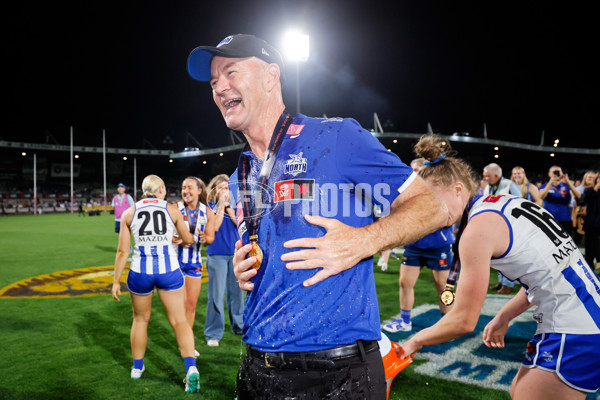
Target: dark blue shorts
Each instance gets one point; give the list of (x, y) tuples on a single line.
[(117, 226), (574, 358), (144, 284), (434, 259), (190, 269)]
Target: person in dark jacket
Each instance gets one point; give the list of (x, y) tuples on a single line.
[(591, 226)]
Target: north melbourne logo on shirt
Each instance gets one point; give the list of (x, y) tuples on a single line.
[(295, 189), (295, 165)]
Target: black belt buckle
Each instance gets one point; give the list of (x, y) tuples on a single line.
[(266, 357), (324, 359)]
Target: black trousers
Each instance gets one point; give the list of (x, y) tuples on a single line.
[(592, 246), (357, 377)]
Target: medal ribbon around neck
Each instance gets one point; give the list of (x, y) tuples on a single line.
[(251, 215), (448, 298), (193, 219)]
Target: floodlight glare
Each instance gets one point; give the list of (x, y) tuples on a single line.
[(295, 46)]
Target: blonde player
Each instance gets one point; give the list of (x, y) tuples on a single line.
[(525, 243), (153, 222)]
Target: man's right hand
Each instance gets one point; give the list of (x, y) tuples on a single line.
[(242, 266)]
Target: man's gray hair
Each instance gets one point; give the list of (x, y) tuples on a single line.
[(494, 169)]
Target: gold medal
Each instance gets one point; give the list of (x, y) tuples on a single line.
[(447, 295), (256, 252)]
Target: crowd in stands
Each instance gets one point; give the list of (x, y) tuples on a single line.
[(55, 199), (12, 206), (89, 200)]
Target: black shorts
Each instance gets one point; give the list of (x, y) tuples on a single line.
[(360, 376)]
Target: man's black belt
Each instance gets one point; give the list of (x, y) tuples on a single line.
[(322, 359)]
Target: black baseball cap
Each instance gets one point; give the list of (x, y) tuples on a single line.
[(234, 46)]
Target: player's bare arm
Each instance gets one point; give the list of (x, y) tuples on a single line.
[(416, 212), (122, 251), (208, 235), (494, 331), (485, 236), (182, 230)]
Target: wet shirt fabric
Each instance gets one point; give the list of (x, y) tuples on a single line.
[(543, 258), (335, 169)]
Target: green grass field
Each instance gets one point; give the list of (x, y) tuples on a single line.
[(78, 347)]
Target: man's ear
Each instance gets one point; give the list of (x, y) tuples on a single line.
[(273, 74)]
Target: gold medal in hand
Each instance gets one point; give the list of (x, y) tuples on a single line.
[(447, 296), (256, 252)]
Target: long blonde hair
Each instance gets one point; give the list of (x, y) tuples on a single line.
[(151, 184), (583, 181), (524, 185)]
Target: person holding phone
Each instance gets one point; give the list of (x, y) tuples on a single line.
[(557, 194)]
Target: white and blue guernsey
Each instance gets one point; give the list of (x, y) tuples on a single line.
[(153, 228), (545, 260)]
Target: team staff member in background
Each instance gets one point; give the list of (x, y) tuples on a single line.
[(522, 240), (497, 184), (307, 341), (153, 222), (557, 195), (120, 202), (219, 261), (433, 251), (200, 222), (528, 190)]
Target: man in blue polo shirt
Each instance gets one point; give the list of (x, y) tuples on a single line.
[(308, 336)]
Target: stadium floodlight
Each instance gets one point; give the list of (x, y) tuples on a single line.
[(296, 50), (296, 46)]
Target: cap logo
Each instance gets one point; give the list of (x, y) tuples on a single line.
[(265, 52), (225, 41)]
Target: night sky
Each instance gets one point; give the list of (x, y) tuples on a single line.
[(519, 67)]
